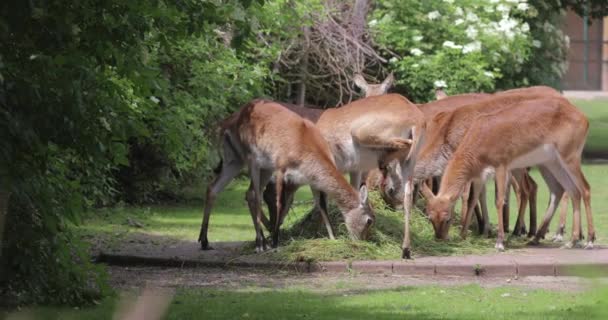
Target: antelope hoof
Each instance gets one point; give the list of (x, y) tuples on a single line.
[(568, 245), (534, 242), (260, 246), (519, 231), (589, 245), (463, 234), (558, 238), (406, 253), (205, 246), (499, 247)]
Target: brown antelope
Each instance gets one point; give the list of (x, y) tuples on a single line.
[(261, 136), (313, 114), (547, 132), (432, 159), (369, 133), (289, 189)]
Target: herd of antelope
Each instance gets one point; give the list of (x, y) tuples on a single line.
[(384, 141)]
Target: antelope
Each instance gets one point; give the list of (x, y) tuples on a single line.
[(313, 114), (288, 189), (546, 132), (371, 132), (261, 136), (433, 158)]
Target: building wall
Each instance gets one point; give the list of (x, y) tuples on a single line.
[(605, 56), (588, 54)]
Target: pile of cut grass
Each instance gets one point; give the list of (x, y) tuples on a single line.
[(306, 239)]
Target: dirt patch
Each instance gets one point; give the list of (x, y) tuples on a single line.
[(234, 279)]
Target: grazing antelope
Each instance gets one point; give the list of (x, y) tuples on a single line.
[(288, 189), (547, 132), (433, 158), (371, 132), (261, 136), (313, 114)]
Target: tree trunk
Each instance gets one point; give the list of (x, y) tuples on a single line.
[(358, 20), (4, 195)]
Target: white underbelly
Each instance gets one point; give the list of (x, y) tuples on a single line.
[(262, 159), (535, 157), (351, 157), (295, 176)]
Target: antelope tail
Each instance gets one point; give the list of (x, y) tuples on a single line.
[(417, 141)]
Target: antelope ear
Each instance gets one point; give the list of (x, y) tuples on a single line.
[(426, 191), (388, 82), (363, 193), (360, 82)]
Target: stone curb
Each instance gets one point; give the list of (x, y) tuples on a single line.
[(487, 269)]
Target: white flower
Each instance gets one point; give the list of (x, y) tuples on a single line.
[(459, 11), (392, 60), (513, 1), (416, 51), (488, 74), (525, 27), (523, 6), (450, 44), (503, 8), (494, 1), (472, 17), (489, 9), (448, 1), (440, 84), (417, 38), (471, 32), (507, 24), (415, 65), (434, 15), (536, 43), (458, 22), (154, 99), (471, 47), (373, 23)]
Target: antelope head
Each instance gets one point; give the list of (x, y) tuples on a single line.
[(360, 219), (374, 89), (391, 188), (439, 212)]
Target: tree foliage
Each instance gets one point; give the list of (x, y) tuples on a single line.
[(82, 85)]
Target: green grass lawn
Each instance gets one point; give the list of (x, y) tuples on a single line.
[(231, 221), (597, 112), (427, 302)]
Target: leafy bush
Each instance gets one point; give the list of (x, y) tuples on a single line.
[(466, 45), (548, 61), (78, 86), (203, 80)]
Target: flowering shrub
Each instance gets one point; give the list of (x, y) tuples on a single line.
[(463, 45)]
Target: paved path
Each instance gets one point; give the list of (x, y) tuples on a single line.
[(531, 261)]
